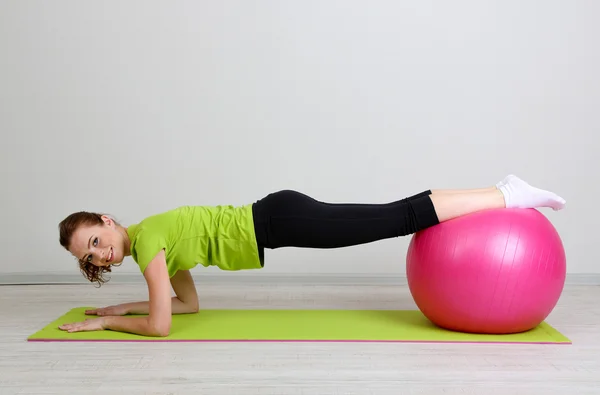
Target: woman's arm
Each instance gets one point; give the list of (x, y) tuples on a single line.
[(158, 321), (185, 302)]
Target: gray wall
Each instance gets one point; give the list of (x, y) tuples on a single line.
[(136, 107)]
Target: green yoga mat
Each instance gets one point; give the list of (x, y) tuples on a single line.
[(300, 325)]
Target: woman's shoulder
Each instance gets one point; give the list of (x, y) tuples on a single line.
[(152, 234)]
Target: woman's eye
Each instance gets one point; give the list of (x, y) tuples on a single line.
[(89, 258), (95, 242)]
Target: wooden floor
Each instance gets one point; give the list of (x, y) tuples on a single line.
[(288, 368)]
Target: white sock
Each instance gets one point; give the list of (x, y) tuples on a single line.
[(519, 194), (505, 180)]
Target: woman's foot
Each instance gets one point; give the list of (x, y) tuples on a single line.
[(519, 194)]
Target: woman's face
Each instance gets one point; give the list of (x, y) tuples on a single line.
[(100, 245)]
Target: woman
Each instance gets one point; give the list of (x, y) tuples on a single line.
[(166, 246)]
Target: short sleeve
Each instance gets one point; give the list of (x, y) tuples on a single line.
[(146, 246)]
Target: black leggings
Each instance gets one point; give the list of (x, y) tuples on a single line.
[(292, 219)]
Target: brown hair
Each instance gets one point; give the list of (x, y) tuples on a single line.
[(67, 228)]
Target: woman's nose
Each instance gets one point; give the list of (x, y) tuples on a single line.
[(98, 254)]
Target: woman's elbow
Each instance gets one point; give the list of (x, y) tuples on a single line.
[(161, 328), (163, 331)]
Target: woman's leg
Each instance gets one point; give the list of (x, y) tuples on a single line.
[(511, 192), (452, 205), (488, 189), (292, 219), (461, 191)]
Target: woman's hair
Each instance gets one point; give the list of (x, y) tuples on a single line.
[(67, 228)]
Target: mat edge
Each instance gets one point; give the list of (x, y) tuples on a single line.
[(50, 340)]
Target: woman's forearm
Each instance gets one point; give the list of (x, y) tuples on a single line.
[(177, 307), (144, 326)]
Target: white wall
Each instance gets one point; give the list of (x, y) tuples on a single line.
[(136, 107)]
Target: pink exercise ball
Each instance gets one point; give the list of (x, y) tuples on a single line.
[(494, 271)]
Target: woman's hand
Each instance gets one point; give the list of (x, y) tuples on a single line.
[(110, 310), (93, 324)]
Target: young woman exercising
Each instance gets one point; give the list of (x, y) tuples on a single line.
[(166, 246)]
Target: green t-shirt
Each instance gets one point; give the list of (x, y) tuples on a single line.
[(221, 236)]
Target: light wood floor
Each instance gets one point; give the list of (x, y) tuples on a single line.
[(288, 368)]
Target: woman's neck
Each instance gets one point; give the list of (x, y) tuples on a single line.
[(126, 241)]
